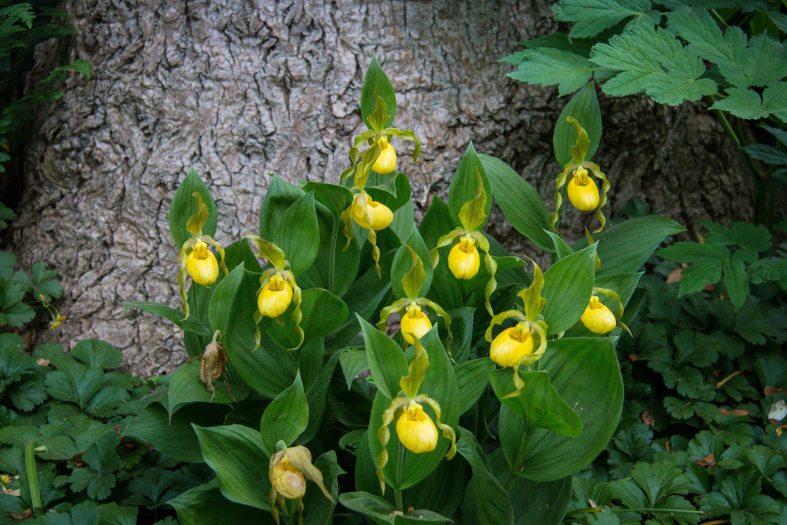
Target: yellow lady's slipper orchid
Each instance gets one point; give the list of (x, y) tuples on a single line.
[(370, 214), (275, 297), (201, 264), (415, 324), (287, 480), (386, 161), (582, 191), (597, 317), (288, 471), (511, 345), (416, 430), (463, 259)]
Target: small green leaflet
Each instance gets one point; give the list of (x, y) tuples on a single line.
[(591, 17), (746, 103), (553, 67), (654, 61), (743, 63)]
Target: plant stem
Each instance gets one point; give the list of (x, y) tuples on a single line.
[(32, 476), (397, 490), (672, 511)]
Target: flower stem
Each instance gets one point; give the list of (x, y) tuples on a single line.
[(397, 490), (32, 476)]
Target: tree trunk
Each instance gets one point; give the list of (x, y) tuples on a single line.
[(239, 90)]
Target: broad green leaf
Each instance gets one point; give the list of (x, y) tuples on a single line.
[(206, 504), (186, 388), (376, 86), (440, 384), (538, 403), (492, 504), (317, 396), (545, 504), (553, 67), (442, 491), (285, 418), (334, 197), (625, 247), (175, 437), (471, 377), (224, 299), (353, 362), (402, 267), (567, 288), (236, 454), (386, 359), (521, 203), (585, 373), (381, 511), (591, 17), (644, 59), (298, 234), (278, 199), (584, 108), (184, 205), (464, 187)]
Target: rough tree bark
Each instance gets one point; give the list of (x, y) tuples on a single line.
[(240, 89)]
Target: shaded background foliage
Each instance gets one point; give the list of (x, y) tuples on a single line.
[(241, 90)]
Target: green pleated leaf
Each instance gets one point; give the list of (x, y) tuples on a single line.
[(407, 281), (184, 205), (471, 377), (567, 287), (492, 504), (236, 454), (538, 403), (585, 109), (440, 384), (545, 504), (386, 359), (298, 234), (334, 197), (381, 511), (278, 199), (625, 247), (586, 375), (223, 301), (521, 203), (186, 388), (268, 369), (174, 437), (378, 101), (561, 247), (205, 504), (285, 418), (464, 188)]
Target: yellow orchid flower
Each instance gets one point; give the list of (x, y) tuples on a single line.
[(288, 471), (415, 429), (195, 258)]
